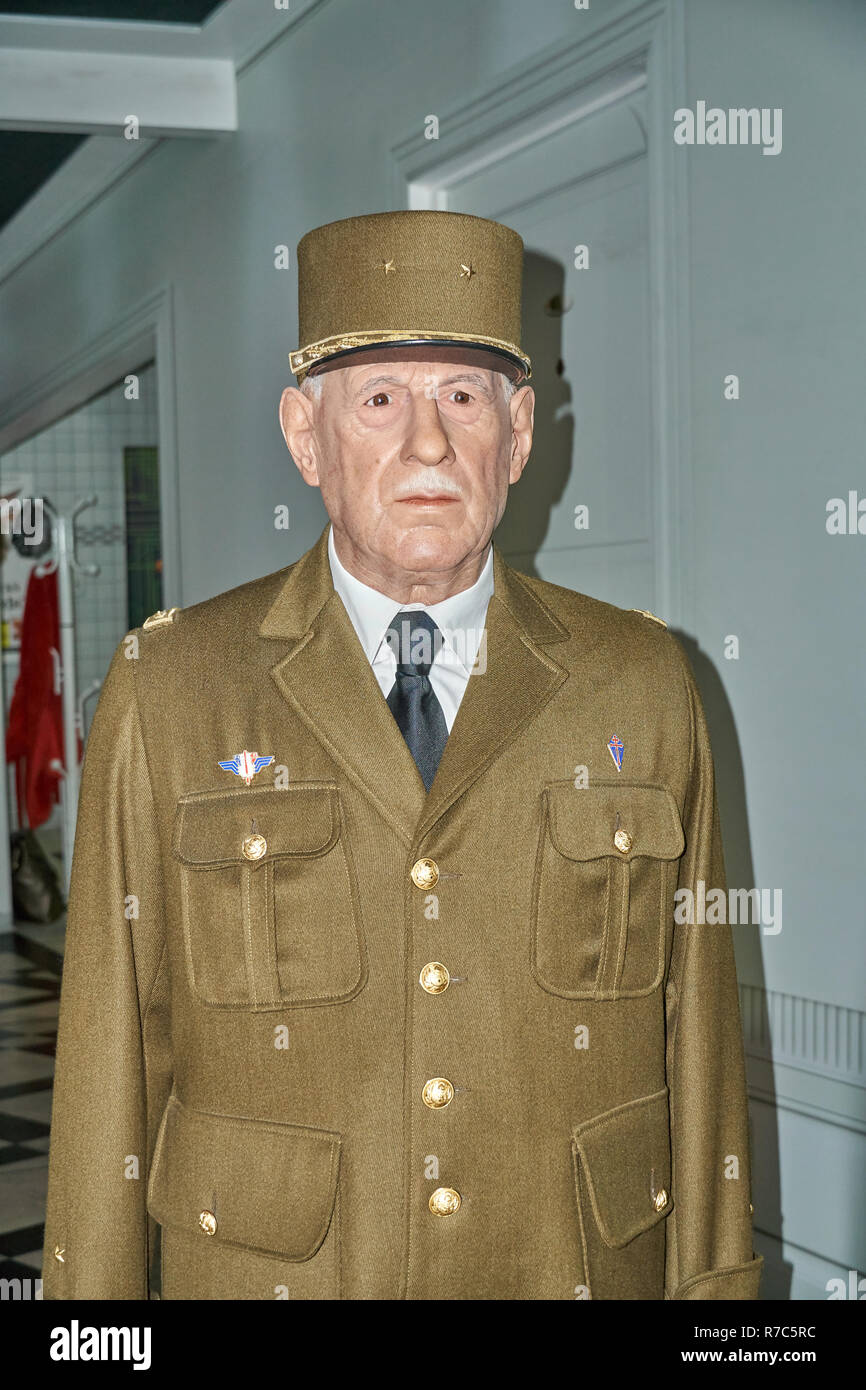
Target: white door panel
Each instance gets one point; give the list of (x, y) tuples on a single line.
[(588, 333)]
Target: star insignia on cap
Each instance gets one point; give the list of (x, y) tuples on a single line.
[(466, 272), (387, 266)]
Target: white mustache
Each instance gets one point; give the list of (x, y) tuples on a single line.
[(431, 482)]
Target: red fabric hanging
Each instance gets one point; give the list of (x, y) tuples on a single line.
[(34, 735)]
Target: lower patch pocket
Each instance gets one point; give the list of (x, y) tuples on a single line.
[(622, 1175), (249, 1208)]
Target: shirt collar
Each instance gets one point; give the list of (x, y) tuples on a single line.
[(371, 612)]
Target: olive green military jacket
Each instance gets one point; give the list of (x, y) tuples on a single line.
[(324, 1035)]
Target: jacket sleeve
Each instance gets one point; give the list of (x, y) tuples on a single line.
[(709, 1251), (113, 1068)]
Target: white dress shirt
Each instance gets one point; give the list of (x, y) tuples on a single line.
[(460, 619)]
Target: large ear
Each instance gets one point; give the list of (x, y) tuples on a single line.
[(522, 407), (297, 415)]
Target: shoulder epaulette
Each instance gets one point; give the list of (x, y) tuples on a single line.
[(647, 614), (161, 618)]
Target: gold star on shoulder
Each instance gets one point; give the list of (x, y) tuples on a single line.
[(387, 266), (647, 614), (161, 618), (466, 272)]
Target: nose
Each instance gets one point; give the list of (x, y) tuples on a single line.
[(427, 442)]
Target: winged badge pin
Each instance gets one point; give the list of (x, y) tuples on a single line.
[(245, 764)]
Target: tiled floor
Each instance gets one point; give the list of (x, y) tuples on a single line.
[(31, 959)]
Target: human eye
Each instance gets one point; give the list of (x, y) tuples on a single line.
[(463, 402), (378, 400)]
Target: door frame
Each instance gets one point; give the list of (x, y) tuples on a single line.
[(643, 46), (146, 331)]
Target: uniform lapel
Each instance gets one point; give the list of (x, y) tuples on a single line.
[(520, 678), (329, 682)]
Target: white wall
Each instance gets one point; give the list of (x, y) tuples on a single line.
[(778, 297)]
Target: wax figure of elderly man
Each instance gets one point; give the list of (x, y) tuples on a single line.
[(367, 995)]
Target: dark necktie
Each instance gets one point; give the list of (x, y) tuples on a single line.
[(415, 639)]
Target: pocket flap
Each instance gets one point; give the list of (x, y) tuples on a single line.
[(269, 1187), (583, 821), (210, 827), (626, 1157)]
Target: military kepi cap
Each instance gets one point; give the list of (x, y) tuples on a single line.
[(392, 280)]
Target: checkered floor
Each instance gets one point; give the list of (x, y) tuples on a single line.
[(31, 959)]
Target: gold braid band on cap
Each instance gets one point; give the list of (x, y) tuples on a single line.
[(305, 358)]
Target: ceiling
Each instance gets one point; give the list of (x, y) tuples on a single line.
[(28, 158), (146, 11)]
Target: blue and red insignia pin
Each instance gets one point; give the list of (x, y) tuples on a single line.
[(616, 747), (245, 765)]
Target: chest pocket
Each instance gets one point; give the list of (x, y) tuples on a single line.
[(605, 876), (269, 897)]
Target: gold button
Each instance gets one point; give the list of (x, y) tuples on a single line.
[(254, 846), (425, 873), (623, 841), (444, 1201), (661, 1200), (434, 977), (437, 1092), (208, 1222)]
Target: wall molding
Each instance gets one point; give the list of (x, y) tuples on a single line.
[(805, 1055), (642, 46), (146, 331), (240, 32), (800, 1032)]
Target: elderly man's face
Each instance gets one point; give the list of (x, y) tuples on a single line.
[(414, 460)]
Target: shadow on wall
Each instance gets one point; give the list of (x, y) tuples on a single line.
[(527, 516)]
